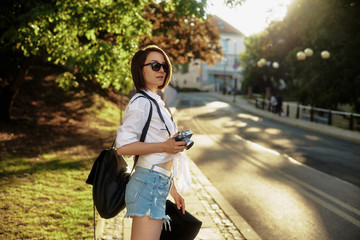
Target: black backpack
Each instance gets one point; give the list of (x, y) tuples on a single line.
[(109, 177)]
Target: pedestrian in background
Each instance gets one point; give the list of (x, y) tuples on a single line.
[(279, 101), (229, 89), (273, 104)]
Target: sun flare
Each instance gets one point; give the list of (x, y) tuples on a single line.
[(253, 16)]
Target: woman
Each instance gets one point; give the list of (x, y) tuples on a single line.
[(152, 180)]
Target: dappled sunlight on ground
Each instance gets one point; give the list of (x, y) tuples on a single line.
[(248, 116), (273, 131), (314, 138), (217, 105), (205, 140), (261, 148), (287, 204), (285, 143), (241, 124), (253, 129), (292, 160), (262, 170)]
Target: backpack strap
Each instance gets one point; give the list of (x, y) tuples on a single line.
[(144, 131), (147, 124), (158, 109)]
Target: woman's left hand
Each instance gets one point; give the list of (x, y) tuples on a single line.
[(179, 200)]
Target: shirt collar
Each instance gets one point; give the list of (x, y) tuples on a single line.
[(155, 96)]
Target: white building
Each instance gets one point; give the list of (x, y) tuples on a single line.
[(226, 73)]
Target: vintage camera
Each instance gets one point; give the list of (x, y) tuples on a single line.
[(185, 137)]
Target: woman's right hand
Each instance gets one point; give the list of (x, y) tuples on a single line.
[(171, 146)]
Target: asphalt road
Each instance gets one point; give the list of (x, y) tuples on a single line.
[(288, 183)]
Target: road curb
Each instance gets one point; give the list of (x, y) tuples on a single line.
[(239, 222)]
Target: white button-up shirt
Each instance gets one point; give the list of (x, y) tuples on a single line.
[(135, 117)]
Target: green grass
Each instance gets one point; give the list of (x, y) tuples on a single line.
[(46, 200), (45, 196)]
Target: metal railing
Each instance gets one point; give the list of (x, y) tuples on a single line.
[(346, 120)]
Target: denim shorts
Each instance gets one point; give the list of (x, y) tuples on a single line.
[(146, 194)]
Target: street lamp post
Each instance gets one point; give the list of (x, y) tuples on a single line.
[(301, 56), (308, 53), (225, 63), (275, 65), (261, 63), (235, 66), (325, 54), (224, 78)]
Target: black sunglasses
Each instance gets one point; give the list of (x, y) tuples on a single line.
[(157, 66)]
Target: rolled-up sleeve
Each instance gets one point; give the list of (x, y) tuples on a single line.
[(135, 116)]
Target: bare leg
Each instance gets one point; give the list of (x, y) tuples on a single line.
[(146, 228)]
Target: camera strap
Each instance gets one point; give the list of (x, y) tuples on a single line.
[(158, 109)]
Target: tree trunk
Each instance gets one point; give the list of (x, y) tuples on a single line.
[(9, 92)]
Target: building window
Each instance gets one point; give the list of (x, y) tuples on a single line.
[(221, 25), (225, 45), (225, 61), (185, 68)]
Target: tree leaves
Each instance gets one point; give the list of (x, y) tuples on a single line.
[(183, 38), (320, 25), (94, 37)]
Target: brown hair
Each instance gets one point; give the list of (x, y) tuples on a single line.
[(137, 64)]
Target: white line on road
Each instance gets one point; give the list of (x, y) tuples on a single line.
[(316, 190)]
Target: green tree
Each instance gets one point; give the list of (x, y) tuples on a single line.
[(327, 25), (252, 75), (320, 25), (272, 46), (90, 39), (182, 37)]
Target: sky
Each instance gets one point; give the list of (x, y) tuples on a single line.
[(253, 16)]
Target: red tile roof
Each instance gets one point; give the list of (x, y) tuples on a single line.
[(223, 26)]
